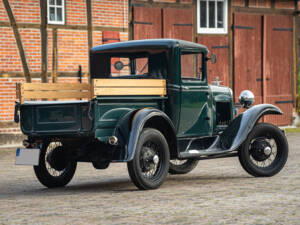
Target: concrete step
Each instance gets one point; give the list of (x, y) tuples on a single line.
[(11, 139)]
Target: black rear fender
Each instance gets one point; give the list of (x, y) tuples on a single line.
[(153, 118)]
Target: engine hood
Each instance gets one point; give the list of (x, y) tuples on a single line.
[(221, 93)]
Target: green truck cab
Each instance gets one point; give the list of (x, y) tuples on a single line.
[(150, 105)]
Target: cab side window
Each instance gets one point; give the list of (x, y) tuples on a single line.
[(192, 65)]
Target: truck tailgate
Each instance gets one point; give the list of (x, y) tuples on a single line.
[(56, 117)]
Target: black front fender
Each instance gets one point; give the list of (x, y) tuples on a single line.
[(142, 118), (237, 132)]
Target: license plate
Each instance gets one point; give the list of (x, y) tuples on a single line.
[(28, 156)]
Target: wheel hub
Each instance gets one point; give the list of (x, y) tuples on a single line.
[(57, 158), (149, 159), (260, 149)]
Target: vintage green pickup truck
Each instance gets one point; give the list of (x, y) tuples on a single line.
[(148, 104)]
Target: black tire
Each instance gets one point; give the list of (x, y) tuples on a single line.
[(183, 166), (46, 174), (151, 143), (252, 155)]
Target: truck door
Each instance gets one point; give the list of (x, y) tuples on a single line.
[(196, 103)]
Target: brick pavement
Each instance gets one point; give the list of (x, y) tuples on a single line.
[(217, 192)]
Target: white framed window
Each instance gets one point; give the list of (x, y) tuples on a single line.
[(56, 11), (212, 16)]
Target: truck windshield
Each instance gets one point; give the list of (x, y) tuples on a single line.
[(139, 65)]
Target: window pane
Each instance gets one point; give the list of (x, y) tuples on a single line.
[(203, 16), (191, 66), (51, 2), (52, 14), (220, 22), (59, 14), (58, 2), (212, 14)]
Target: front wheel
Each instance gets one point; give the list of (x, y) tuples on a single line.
[(150, 164), (265, 151), (54, 169)]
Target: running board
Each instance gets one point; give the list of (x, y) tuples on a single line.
[(213, 151), (204, 153)]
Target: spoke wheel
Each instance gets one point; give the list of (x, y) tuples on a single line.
[(54, 169), (182, 166), (265, 151), (150, 165)]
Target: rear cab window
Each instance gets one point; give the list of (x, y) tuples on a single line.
[(137, 65)]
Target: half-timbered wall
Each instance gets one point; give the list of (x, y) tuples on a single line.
[(67, 45)]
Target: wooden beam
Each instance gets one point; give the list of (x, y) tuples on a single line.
[(295, 64), (160, 4), (231, 44), (104, 87), (67, 27), (44, 41), (263, 10), (264, 66), (89, 29), (18, 40), (54, 55)]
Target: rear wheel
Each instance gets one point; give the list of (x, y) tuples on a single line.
[(182, 166), (150, 164), (265, 151), (54, 169)]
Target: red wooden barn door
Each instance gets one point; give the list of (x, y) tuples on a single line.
[(178, 23), (147, 23), (248, 55), (278, 66)]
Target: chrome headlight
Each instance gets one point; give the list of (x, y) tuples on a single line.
[(246, 98)]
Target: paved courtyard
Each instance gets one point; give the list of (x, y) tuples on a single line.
[(217, 192)]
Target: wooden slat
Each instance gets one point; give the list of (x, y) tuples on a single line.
[(55, 94), (129, 82), (52, 91), (56, 86), (130, 91), (129, 87)]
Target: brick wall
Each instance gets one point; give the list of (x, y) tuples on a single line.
[(72, 42)]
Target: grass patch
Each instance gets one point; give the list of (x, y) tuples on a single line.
[(292, 130)]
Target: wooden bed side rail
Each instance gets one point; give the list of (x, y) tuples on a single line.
[(29, 91), (104, 87)]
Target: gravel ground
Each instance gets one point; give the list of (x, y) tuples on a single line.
[(217, 192)]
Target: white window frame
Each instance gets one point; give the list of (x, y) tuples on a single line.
[(62, 6), (207, 30)]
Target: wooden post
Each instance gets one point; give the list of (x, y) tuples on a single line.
[(54, 55), (264, 71), (18, 40), (44, 41), (231, 44), (89, 29)]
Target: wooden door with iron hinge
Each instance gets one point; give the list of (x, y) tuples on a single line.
[(263, 61)]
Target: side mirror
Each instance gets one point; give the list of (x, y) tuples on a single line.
[(119, 65), (213, 58)]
